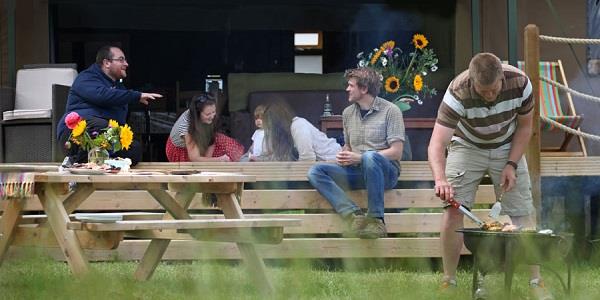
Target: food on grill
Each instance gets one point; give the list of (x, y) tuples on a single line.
[(497, 226)]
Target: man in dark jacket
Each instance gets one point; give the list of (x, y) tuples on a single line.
[(98, 95)]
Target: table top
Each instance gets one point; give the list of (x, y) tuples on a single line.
[(145, 177)]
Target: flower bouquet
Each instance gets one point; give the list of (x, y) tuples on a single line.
[(97, 143), (403, 74)]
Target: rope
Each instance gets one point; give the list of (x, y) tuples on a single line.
[(566, 89), (555, 39), (570, 130)]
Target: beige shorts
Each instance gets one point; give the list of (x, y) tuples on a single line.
[(465, 167)]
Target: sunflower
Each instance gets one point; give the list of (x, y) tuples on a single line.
[(126, 136), (420, 41), (113, 124), (79, 128), (392, 84), (418, 83), (383, 47)]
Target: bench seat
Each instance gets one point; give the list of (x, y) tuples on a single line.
[(181, 224)]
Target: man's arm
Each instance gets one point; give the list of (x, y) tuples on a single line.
[(394, 152), (521, 138), (436, 151), (93, 90)]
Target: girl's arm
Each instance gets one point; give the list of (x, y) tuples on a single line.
[(194, 153)]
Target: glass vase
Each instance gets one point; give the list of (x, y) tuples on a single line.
[(97, 155)]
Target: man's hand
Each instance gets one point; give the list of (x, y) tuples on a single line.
[(444, 190), (145, 97), (347, 158), (508, 178)]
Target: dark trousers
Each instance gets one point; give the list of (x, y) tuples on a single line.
[(79, 155)]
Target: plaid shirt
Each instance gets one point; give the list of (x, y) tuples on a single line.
[(377, 130)]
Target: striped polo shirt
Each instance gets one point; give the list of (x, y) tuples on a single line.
[(482, 124)]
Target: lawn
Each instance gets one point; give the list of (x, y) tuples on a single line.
[(43, 278)]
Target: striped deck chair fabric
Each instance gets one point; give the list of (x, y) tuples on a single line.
[(550, 105)]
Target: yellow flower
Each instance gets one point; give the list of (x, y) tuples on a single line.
[(418, 83), (79, 128), (420, 41), (126, 136), (113, 123), (392, 84), (376, 56), (387, 45)]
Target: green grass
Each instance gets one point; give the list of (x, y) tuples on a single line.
[(43, 278)]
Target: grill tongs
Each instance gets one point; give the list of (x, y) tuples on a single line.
[(463, 209)]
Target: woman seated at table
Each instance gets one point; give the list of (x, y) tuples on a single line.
[(290, 138), (194, 136)]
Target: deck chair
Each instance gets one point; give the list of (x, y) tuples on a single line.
[(551, 107)]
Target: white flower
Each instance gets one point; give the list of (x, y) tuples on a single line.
[(361, 63), (359, 55), (380, 77), (420, 102), (424, 73), (383, 61), (434, 68)]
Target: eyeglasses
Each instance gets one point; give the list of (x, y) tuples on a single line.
[(120, 59)]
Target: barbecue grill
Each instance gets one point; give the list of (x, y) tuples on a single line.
[(492, 250)]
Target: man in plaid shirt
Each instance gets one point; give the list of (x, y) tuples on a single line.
[(374, 137)]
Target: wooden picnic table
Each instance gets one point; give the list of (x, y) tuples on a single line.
[(52, 190)]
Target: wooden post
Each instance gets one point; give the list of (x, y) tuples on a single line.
[(532, 63)]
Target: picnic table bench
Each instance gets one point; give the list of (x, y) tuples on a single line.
[(281, 190), (70, 234)]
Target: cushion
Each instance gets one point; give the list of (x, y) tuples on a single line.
[(34, 86), (26, 114)]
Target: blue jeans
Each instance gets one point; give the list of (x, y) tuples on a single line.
[(375, 173)]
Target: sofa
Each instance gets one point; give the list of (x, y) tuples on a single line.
[(305, 93)]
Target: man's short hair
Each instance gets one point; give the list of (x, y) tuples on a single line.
[(485, 68), (366, 77), (104, 53)]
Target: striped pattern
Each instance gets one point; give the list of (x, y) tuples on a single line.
[(180, 128), (549, 98), (480, 123)]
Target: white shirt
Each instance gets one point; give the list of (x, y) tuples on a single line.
[(311, 143), (257, 142)]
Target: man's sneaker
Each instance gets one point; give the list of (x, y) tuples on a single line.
[(374, 229), (356, 223), (538, 291), (448, 286), (480, 293)]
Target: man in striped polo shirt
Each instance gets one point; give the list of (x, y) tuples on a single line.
[(485, 122)]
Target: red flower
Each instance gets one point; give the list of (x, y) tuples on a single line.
[(72, 119)]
